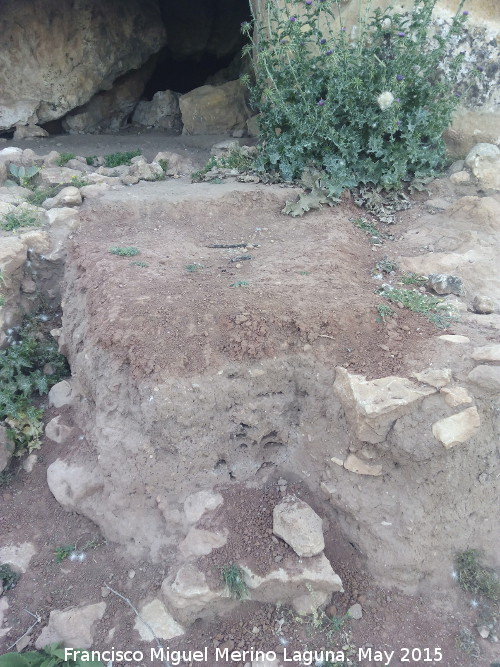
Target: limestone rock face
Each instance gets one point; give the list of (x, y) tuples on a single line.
[(162, 111), (487, 353), (72, 627), (374, 405), (299, 526), (109, 110), (73, 58), (214, 109)]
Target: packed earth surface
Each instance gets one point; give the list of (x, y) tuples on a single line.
[(222, 371)]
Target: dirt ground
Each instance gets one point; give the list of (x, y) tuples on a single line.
[(293, 265)]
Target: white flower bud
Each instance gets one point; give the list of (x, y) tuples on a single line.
[(385, 100)]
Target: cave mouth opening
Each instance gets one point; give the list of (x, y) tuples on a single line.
[(203, 45)]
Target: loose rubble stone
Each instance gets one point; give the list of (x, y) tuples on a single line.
[(214, 109), (69, 196), (189, 595), (58, 432), (29, 463), (299, 526), (484, 161), (483, 305), (372, 406), (487, 377), (4, 605), (454, 338), (442, 283), (51, 176), (455, 396), (355, 612), (62, 221), (436, 377), (198, 503), (354, 464), (73, 627), (162, 111), (145, 172), (17, 555), (95, 189), (29, 131), (460, 177), (486, 353), (176, 163), (306, 584), (156, 615), (458, 428), (60, 394)]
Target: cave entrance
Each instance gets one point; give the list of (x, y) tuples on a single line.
[(204, 43)]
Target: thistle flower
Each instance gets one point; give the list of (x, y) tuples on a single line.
[(322, 41), (401, 34), (385, 100), (329, 52), (386, 23), (309, 2), (292, 19), (321, 102), (399, 77)]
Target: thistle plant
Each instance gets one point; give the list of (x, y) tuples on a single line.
[(362, 106)]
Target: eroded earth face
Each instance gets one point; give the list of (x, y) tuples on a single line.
[(207, 387)]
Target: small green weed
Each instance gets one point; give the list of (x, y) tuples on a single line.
[(20, 217), (233, 578), (305, 273), (21, 376), (53, 655), (198, 175), (163, 164), (126, 251), (386, 265), (116, 159), (2, 301), (468, 644), (369, 228), (240, 283), (216, 181), (143, 265), (39, 195), (64, 158), (191, 268), (413, 279), (8, 578), (429, 306), (474, 578), (384, 311), (79, 181), (91, 160), (61, 553)]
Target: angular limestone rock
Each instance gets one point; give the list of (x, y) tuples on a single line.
[(443, 283), (454, 338), (486, 353), (484, 305), (305, 583), (487, 377), (17, 555), (455, 396), (56, 431), (299, 526), (156, 615), (458, 428), (484, 161), (436, 377), (372, 406), (190, 596), (60, 394), (354, 464), (69, 196), (214, 109), (73, 627)]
